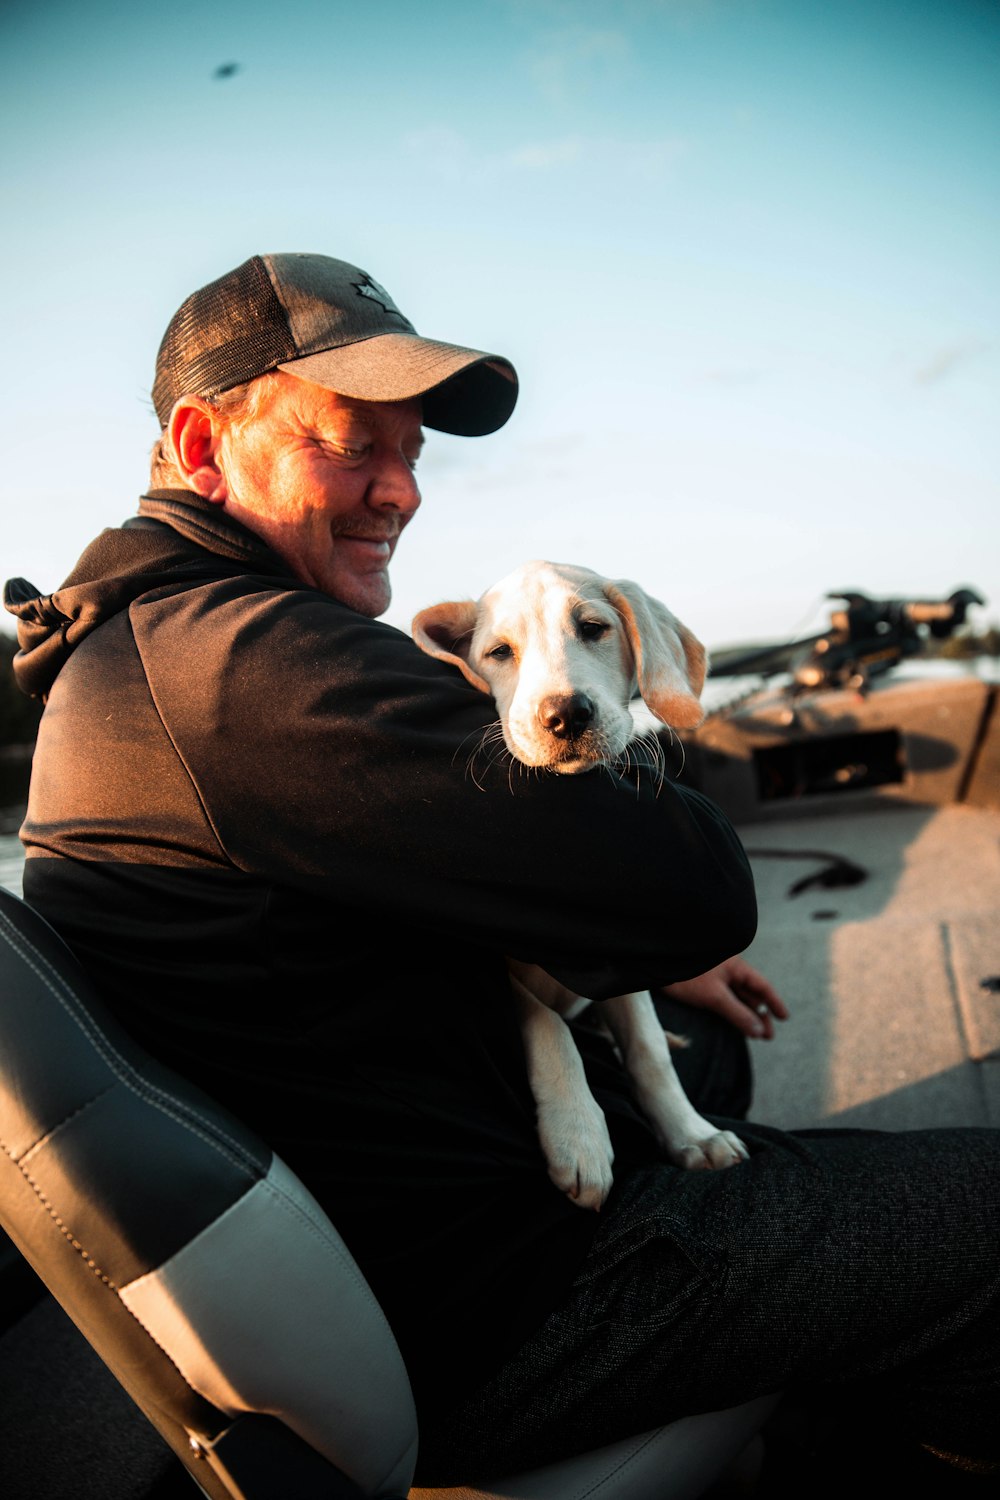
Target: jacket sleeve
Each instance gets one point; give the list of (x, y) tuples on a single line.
[(332, 755)]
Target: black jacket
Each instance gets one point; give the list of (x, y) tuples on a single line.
[(252, 816)]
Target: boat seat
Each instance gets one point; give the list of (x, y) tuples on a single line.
[(216, 1289)]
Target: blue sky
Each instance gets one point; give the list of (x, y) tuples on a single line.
[(744, 254)]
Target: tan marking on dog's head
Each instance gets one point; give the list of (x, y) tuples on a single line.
[(671, 662)]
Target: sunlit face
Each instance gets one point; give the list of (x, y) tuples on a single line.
[(328, 483)]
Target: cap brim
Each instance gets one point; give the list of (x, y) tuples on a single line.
[(464, 391)]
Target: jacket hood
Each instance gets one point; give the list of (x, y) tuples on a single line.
[(176, 535)]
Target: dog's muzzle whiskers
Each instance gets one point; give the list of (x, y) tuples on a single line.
[(492, 747), (676, 740), (473, 734), (645, 752)]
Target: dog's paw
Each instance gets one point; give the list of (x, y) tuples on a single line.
[(586, 1184), (686, 1138), (707, 1150), (578, 1154)]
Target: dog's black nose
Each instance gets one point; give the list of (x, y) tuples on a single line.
[(566, 716)]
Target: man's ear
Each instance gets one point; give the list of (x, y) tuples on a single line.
[(194, 431)]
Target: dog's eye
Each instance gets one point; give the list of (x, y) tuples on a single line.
[(500, 652), (592, 630)]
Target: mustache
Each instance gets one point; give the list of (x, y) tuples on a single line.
[(364, 531)]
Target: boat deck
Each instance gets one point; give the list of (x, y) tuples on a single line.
[(893, 983)]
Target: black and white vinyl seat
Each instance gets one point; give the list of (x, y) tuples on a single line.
[(213, 1285)]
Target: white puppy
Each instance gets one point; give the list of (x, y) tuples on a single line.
[(562, 651)]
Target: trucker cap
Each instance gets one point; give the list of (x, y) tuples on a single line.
[(329, 322)]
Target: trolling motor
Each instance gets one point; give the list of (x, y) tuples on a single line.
[(865, 638), (870, 636), (815, 732)]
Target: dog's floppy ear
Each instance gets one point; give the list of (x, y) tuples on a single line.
[(445, 631), (670, 662)]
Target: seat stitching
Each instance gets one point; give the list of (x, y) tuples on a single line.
[(89, 1261), (331, 1241), (54, 1130), (185, 1114), (622, 1464), (58, 1220)]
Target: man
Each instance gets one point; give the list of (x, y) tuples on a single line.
[(249, 816)]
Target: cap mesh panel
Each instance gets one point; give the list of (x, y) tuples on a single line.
[(226, 333)]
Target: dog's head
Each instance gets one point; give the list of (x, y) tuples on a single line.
[(562, 650)]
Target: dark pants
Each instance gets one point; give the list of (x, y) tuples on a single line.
[(831, 1261)]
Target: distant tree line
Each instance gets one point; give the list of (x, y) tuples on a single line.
[(19, 715), (965, 644)]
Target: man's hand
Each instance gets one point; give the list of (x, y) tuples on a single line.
[(735, 991)]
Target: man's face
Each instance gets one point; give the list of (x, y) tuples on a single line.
[(328, 483)]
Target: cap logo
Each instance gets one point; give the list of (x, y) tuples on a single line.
[(371, 289)]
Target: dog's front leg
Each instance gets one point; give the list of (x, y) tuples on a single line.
[(689, 1140), (571, 1125)]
